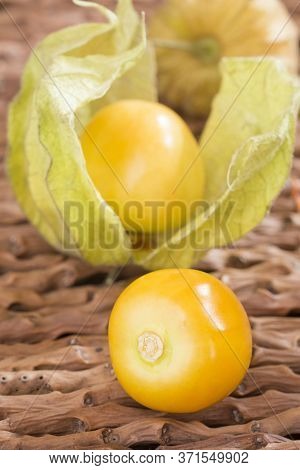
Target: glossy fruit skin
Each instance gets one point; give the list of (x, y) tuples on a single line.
[(205, 333), (138, 151), (189, 79)]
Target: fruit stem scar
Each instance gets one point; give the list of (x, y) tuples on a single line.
[(150, 346)]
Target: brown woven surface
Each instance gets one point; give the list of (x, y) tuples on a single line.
[(56, 384)]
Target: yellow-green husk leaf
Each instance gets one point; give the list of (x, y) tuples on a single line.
[(72, 72), (247, 147)]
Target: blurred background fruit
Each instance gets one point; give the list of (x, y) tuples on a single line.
[(191, 37)]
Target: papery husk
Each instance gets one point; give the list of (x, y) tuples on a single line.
[(246, 146)]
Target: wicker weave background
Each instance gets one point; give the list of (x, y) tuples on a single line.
[(56, 384)]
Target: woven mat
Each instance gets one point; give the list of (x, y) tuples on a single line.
[(57, 388)]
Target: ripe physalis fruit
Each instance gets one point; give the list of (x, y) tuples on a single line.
[(179, 340), (138, 154)]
